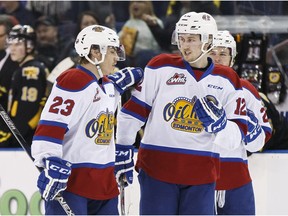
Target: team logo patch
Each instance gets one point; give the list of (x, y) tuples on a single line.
[(182, 116), (206, 17), (101, 128), (177, 79), (98, 29), (30, 72)]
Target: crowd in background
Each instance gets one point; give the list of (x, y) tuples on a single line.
[(145, 29)]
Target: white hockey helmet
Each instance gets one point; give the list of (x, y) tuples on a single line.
[(196, 23), (225, 39), (101, 36)]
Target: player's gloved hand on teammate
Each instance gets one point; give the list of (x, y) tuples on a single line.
[(254, 129), (124, 163), (126, 77), (53, 179), (211, 113)]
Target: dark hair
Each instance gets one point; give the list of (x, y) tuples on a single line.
[(83, 60), (80, 17), (45, 20)]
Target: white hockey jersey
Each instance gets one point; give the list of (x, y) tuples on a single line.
[(234, 171), (77, 125), (175, 147)]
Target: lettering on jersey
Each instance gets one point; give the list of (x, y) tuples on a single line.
[(177, 79), (30, 72), (96, 96), (214, 87), (181, 113), (101, 128)]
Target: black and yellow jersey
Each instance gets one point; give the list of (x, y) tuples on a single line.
[(27, 97), (7, 67)]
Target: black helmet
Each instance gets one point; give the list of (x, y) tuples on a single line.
[(22, 32)]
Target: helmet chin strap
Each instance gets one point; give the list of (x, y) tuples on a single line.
[(97, 64), (202, 54)]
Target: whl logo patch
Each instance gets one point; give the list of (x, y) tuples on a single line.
[(177, 79)]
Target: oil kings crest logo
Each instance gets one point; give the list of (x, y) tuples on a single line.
[(101, 127), (181, 113)]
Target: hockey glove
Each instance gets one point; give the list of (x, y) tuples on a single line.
[(254, 129), (211, 113), (124, 163), (53, 179), (125, 78)]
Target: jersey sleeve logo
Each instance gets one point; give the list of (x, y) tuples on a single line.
[(30, 73), (181, 113)]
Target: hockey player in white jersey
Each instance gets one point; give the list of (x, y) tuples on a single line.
[(74, 140), (189, 106), (234, 193)]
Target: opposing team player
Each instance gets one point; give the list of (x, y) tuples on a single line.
[(27, 93), (189, 106), (235, 194), (74, 141)]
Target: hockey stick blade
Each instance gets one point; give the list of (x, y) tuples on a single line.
[(27, 149)]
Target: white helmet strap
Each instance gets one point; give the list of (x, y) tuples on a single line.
[(97, 63), (204, 52)]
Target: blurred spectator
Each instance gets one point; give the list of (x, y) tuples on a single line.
[(7, 66), (27, 93), (138, 40), (122, 15), (163, 35), (85, 19), (49, 43), (210, 7), (60, 10), (16, 9), (104, 12), (68, 57)]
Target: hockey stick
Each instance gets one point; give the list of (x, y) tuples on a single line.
[(122, 195), (27, 149), (121, 178)]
